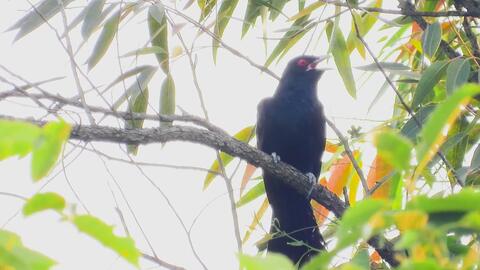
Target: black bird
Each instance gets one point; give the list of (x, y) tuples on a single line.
[(291, 127)]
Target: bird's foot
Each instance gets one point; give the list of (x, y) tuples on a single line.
[(312, 180), (275, 157)]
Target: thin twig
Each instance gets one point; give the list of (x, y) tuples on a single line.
[(349, 152), (399, 96)]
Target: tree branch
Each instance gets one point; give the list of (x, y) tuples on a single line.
[(229, 145)]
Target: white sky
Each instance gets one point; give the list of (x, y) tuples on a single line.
[(232, 89)]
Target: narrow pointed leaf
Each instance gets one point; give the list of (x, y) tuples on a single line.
[(341, 57), (93, 17), (137, 104), (444, 114), (295, 32), (138, 86), (105, 40), (255, 192), (277, 6), (307, 11), (251, 15), (458, 73), (430, 77), (144, 51), (249, 171), (431, 39), (130, 73), (224, 14), (157, 24), (167, 98), (256, 220), (32, 20)]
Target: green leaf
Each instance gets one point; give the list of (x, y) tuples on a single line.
[(244, 135), (458, 73), (94, 227), (268, 262), (14, 255), (341, 57), (353, 222), (157, 24), (93, 17), (277, 6), (137, 104), (48, 147), (223, 17), (444, 114), (138, 86), (42, 12), (365, 23), (431, 76), (105, 40), (431, 39), (411, 128), (475, 162), (129, 74), (167, 98), (206, 6), (292, 36), (394, 149), (43, 201), (466, 200), (251, 15), (255, 192), (456, 153), (144, 51), (17, 138)]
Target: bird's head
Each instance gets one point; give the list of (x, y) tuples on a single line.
[(304, 69)]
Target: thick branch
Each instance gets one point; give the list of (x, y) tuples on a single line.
[(227, 144)]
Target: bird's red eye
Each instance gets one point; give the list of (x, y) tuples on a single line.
[(302, 63)]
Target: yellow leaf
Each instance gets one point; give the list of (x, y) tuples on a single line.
[(244, 135), (306, 11), (177, 51), (410, 220), (256, 219)]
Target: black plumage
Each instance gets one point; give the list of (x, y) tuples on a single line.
[(291, 124)]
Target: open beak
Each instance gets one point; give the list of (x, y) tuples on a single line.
[(314, 64)]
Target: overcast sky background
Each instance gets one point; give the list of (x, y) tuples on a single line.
[(232, 90)]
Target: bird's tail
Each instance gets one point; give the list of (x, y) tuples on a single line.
[(296, 236)]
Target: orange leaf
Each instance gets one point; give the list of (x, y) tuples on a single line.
[(249, 170), (319, 211), (340, 173), (416, 28), (378, 170), (330, 147), (375, 257)]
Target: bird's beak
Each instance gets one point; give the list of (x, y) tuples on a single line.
[(314, 64)]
